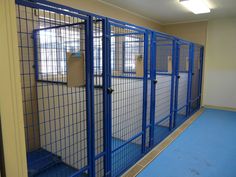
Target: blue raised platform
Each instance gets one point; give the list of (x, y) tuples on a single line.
[(42, 163), (125, 156)]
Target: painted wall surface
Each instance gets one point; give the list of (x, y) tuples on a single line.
[(220, 64), (195, 31), (107, 10), (10, 94)]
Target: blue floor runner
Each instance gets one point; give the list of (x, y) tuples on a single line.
[(206, 149)]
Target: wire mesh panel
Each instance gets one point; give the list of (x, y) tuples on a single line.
[(196, 79), (128, 85), (181, 86), (163, 88), (54, 112)]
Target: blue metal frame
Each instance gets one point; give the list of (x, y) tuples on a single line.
[(36, 55), (53, 7), (154, 82), (153, 88), (90, 98), (172, 83), (35, 44), (145, 67), (191, 58), (201, 74), (176, 73), (89, 59), (191, 77), (144, 78), (108, 117)]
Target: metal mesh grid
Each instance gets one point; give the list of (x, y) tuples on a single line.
[(126, 156), (183, 79), (127, 98), (181, 84), (163, 50), (163, 88), (53, 44), (54, 114), (99, 167), (132, 46), (148, 108), (195, 77), (163, 76)]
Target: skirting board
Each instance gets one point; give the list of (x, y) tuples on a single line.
[(219, 107)]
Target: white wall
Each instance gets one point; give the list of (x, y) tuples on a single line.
[(182, 91), (163, 93), (220, 64), (62, 113)]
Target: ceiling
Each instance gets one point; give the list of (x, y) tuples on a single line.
[(171, 11)]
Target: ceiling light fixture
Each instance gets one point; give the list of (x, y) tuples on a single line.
[(196, 6)]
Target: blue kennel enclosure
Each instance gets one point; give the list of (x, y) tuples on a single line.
[(182, 80), (162, 73), (99, 93)]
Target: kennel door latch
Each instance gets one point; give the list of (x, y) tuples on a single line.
[(110, 90)]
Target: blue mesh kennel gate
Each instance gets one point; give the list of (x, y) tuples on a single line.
[(59, 117), (196, 78), (163, 48), (182, 80), (127, 88)]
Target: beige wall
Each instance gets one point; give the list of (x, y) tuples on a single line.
[(220, 64), (219, 76), (195, 32), (100, 8), (10, 94)]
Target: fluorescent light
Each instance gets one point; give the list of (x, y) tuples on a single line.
[(196, 6)]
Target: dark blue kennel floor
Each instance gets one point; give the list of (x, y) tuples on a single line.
[(180, 119), (160, 133), (59, 170), (42, 163), (125, 156), (207, 148), (47, 164)]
